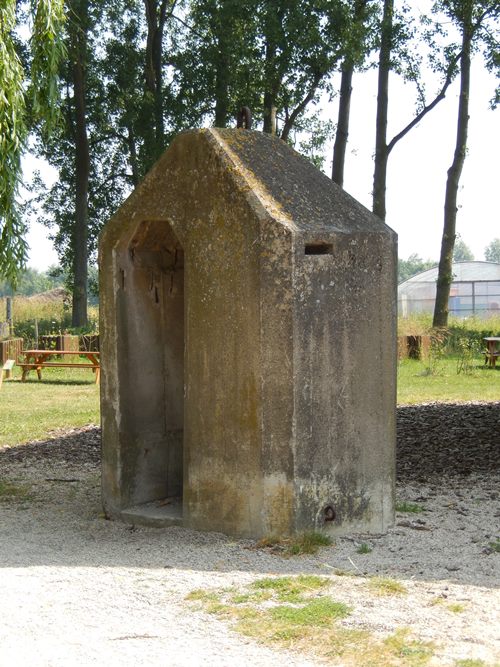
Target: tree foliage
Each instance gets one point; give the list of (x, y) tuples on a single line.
[(407, 268), (462, 252), (473, 19), (492, 251), (116, 81), (361, 41), (47, 17), (31, 281)]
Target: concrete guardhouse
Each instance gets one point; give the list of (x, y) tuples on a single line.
[(248, 346)]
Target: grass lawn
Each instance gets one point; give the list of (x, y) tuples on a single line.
[(417, 385), (66, 397), (69, 397)]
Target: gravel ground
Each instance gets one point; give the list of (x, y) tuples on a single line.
[(79, 590)]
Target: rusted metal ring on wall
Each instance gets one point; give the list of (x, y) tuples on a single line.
[(244, 118)]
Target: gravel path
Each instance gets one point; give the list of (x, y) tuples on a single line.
[(79, 590)]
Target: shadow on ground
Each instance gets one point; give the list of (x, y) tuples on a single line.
[(442, 449)]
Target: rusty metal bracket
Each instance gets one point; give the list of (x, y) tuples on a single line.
[(244, 118)]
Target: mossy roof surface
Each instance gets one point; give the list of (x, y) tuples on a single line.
[(312, 200)]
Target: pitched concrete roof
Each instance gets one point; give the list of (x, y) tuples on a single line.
[(264, 168), (307, 196)]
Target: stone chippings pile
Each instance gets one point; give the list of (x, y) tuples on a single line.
[(434, 441), (81, 590), (438, 441)]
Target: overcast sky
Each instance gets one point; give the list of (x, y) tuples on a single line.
[(417, 167)]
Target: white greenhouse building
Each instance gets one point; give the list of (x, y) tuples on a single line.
[(475, 290)]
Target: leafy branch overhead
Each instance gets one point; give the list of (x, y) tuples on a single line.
[(46, 50), (101, 88)]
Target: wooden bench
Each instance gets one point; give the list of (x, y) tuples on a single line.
[(7, 369), (492, 350), (38, 359), (490, 358)]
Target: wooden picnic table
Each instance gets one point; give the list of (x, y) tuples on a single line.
[(492, 350), (38, 359)]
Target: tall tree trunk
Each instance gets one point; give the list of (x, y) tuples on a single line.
[(445, 276), (132, 149), (273, 23), (156, 15), (342, 133), (301, 106), (158, 93), (82, 166), (271, 90), (381, 151), (221, 90), (223, 29)]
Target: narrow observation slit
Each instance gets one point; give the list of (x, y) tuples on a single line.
[(318, 249)]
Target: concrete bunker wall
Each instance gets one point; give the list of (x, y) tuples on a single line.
[(150, 318), (234, 296), (344, 354), (247, 339)]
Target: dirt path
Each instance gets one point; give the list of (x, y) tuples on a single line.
[(79, 590)]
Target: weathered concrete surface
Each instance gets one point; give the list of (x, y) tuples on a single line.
[(248, 344)]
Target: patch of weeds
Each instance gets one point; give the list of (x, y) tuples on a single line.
[(307, 543), (9, 491), (318, 612), (291, 589), (246, 613), (202, 595), (210, 601), (364, 549), (469, 349), (360, 647), (344, 642), (411, 508), (454, 607), (412, 651), (437, 601), (495, 546), (343, 573), (255, 596), (265, 629), (219, 609), (386, 586), (436, 352), (470, 662), (298, 616)]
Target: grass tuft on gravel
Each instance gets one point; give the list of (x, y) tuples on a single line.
[(9, 491), (495, 546), (453, 607), (415, 652), (298, 614), (318, 612), (290, 589), (386, 586), (410, 508), (306, 543)]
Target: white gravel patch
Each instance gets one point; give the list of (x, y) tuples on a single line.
[(76, 589)]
